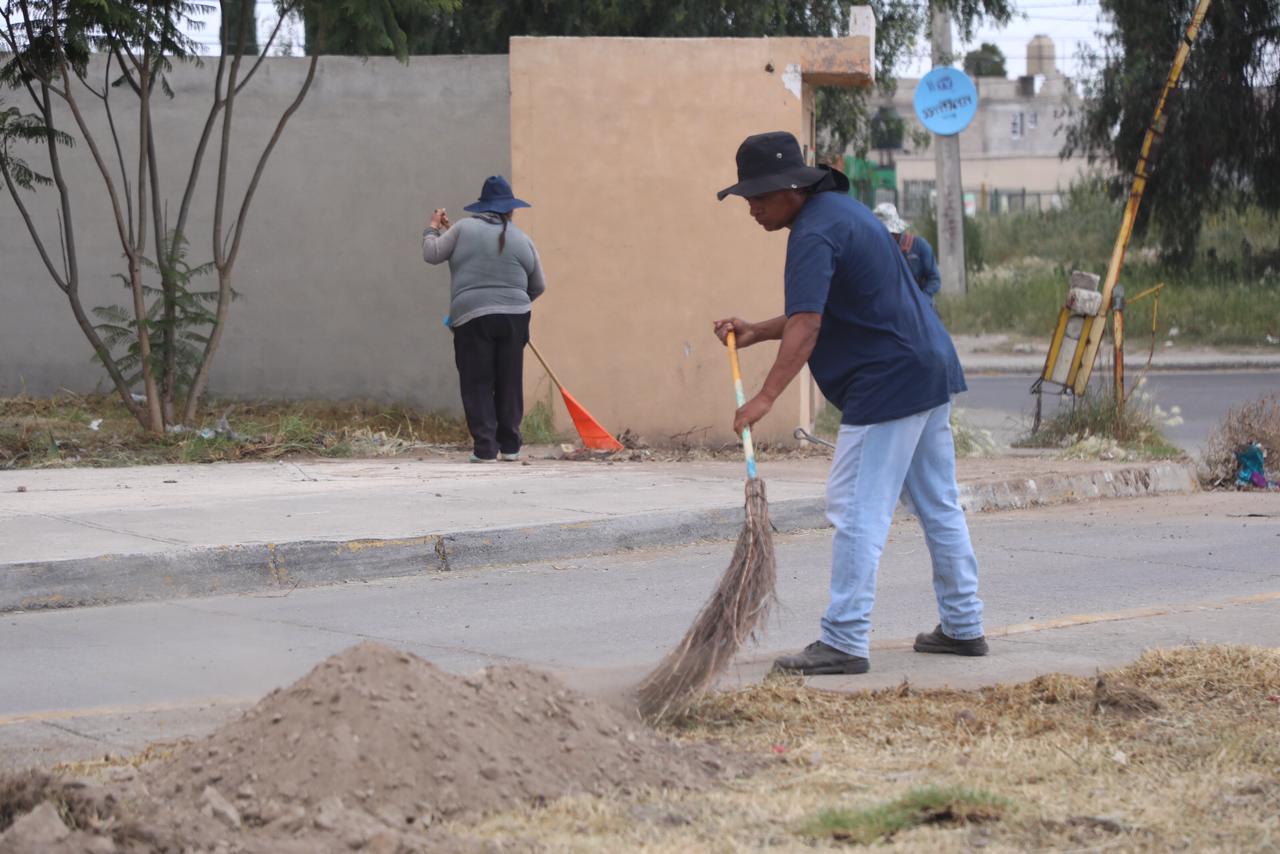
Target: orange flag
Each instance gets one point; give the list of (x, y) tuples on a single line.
[(592, 433)]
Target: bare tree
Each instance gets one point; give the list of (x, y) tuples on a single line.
[(64, 55)]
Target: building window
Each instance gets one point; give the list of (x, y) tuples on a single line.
[(1017, 126), (1033, 119), (917, 198)]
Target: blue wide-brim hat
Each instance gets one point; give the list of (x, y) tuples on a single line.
[(496, 197)]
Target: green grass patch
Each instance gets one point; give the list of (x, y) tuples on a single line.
[(947, 806), (1228, 296), (1023, 298), (539, 425)]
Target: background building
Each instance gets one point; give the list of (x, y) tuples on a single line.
[(1010, 153)]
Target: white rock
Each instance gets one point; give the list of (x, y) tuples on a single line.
[(41, 826), (220, 808)]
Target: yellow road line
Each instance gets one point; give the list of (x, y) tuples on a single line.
[(1073, 620)]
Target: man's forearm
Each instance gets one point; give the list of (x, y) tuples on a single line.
[(769, 330), (799, 334)]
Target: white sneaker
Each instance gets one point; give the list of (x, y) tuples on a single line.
[(510, 458), (476, 459)]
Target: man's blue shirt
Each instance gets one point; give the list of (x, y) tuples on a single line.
[(924, 268), (882, 353)]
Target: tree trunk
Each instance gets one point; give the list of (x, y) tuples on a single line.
[(201, 379)]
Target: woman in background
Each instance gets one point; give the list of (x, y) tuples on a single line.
[(496, 275)]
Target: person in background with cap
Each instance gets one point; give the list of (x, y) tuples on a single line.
[(879, 352), (496, 275), (919, 254)]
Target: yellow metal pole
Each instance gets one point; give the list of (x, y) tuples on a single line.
[(1081, 380), (1117, 354)]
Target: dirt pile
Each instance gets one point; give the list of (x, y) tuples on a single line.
[(375, 746)]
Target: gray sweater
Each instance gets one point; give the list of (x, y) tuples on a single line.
[(484, 281)]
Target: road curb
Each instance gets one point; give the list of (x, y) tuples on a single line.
[(994, 367), (281, 567)]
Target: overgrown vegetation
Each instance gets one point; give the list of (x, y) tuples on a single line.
[(96, 430), (1255, 421), (1092, 426), (1228, 295)]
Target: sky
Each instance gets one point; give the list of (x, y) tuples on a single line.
[(1069, 24)]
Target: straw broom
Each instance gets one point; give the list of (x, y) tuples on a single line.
[(738, 606)]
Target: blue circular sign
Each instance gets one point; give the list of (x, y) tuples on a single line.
[(946, 101)]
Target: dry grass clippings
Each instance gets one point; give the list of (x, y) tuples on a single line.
[(1178, 751)]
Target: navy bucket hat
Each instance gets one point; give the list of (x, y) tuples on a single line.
[(772, 161), (496, 197)]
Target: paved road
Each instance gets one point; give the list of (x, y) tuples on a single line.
[(1067, 588), (1003, 405)]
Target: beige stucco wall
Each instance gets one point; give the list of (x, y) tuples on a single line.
[(621, 145), (1034, 174)]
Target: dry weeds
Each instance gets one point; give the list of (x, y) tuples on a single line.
[(1178, 751), (1256, 421), (96, 430)]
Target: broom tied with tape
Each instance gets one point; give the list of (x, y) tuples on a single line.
[(735, 610)]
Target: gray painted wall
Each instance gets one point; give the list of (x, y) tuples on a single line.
[(336, 300)]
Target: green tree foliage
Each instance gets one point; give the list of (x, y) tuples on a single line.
[(486, 26), (887, 129), (1221, 143), (985, 61), (232, 12)]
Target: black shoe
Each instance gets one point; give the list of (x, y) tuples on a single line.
[(820, 659), (936, 641)]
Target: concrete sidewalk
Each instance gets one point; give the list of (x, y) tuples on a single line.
[(998, 354), (94, 536)]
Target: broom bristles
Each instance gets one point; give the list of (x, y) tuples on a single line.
[(735, 610)]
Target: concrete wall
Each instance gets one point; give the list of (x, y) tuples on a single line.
[(337, 302), (621, 145)]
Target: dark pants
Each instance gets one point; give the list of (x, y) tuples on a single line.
[(489, 352)]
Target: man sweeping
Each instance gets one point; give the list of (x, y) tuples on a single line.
[(879, 352)]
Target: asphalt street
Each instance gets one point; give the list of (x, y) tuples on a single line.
[(1003, 404), (1118, 575)]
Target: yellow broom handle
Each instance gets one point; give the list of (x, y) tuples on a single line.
[(748, 448), (550, 372)]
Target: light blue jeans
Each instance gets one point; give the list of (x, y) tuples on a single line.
[(872, 465)]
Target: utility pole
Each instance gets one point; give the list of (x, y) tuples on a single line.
[(946, 153)]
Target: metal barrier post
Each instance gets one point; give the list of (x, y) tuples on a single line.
[(1117, 338)]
